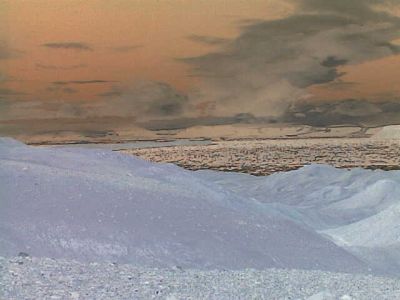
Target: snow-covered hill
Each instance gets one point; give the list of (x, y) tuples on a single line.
[(95, 205), (99, 205)]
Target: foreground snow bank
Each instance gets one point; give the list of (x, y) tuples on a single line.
[(98, 205), (359, 209), (33, 278)]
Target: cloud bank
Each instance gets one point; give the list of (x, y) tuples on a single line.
[(68, 45), (91, 81), (357, 112), (271, 63), (126, 49), (263, 75), (144, 100), (53, 67)]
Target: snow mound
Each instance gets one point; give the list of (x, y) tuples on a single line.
[(388, 132), (357, 209), (376, 239), (98, 205)]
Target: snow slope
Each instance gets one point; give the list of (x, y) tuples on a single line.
[(359, 209), (98, 205)]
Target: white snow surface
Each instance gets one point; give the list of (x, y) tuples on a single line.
[(43, 278), (102, 206), (391, 132)]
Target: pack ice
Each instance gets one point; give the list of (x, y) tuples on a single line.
[(99, 205)]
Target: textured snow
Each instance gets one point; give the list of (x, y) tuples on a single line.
[(34, 278), (82, 214), (98, 205), (358, 209)]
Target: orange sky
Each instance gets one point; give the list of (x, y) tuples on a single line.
[(159, 29), (377, 80)]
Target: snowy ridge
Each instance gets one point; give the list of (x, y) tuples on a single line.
[(98, 205)]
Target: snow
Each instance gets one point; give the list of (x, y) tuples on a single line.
[(357, 209), (98, 205), (34, 278), (388, 132), (85, 213)]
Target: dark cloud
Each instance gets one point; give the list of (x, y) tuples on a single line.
[(271, 63), (32, 109), (81, 82), (261, 76), (8, 53), (340, 85), (9, 92), (209, 40), (350, 111), (332, 61), (69, 45), (69, 90), (126, 49), (141, 101), (52, 67), (114, 92), (181, 123), (144, 100)]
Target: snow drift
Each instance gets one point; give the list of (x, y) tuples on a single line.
[(99, 205), (358, 209)]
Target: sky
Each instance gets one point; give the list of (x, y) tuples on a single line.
[(177, 63)]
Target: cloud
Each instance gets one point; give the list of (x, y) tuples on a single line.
[(115, 91), (271, 63), (69, 45), (52, 67), (126, 49), (144, 100), (8, 53), (358, 112), (33, 109), (9, 92), (209, 40), (340, 85), (69, 90), (92, 81), (186, 122)]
